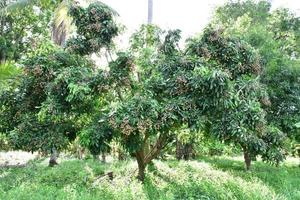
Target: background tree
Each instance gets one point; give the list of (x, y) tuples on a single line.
[(41, 112), (150, 11), (237, 115), (53, 94), (23, 26), (275, 34)]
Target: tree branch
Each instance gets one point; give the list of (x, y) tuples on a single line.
[(156, 149)]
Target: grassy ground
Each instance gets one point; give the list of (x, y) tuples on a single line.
[(210, 178)]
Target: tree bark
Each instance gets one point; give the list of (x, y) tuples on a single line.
[(96, 157), (53, 157), (2, 57), (80, 152), (103, 157), (121, 154), (179, 150), (184, 151), (140, 157), (247, 159), (143, 159), (188, 151)]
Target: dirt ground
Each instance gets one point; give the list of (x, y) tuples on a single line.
[(15, 158)]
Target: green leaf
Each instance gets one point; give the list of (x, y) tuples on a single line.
[(297, 125)]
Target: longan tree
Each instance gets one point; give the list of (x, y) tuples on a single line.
[(205, 84), (241, 118), (42, 110), (47, 107), (275, 34)]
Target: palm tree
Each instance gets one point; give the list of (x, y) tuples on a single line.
[(61, 24), (150, 11)]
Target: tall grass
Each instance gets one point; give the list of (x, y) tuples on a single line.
[(211, 178)]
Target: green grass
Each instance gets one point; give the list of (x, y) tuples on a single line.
[(210, 178)]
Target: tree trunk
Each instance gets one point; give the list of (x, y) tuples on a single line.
[(53, 157), (143, 159), (140, 157), (184, 151), (80, 152), (121, 154), (188, 151), (150, 11), (142, 168), (2, 57), (247, 159), (96, 157), (179, 150), (103, 157)]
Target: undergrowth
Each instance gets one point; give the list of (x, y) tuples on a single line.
[(208, 178)]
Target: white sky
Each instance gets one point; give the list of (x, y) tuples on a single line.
[(188, 15)]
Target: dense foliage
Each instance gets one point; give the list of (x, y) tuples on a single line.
[(275, 34), (42, 110), (220, 86), (24, 28), (95, 28)]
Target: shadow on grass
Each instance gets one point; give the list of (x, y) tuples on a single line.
[(283, 179), (77, 172), (151, 190), (178, 189)]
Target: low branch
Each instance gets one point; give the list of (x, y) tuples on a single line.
[(156, 149)]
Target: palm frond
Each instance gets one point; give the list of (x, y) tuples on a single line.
[(62, 23), (8, 70)]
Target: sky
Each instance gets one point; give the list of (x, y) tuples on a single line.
[(188, 15)]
